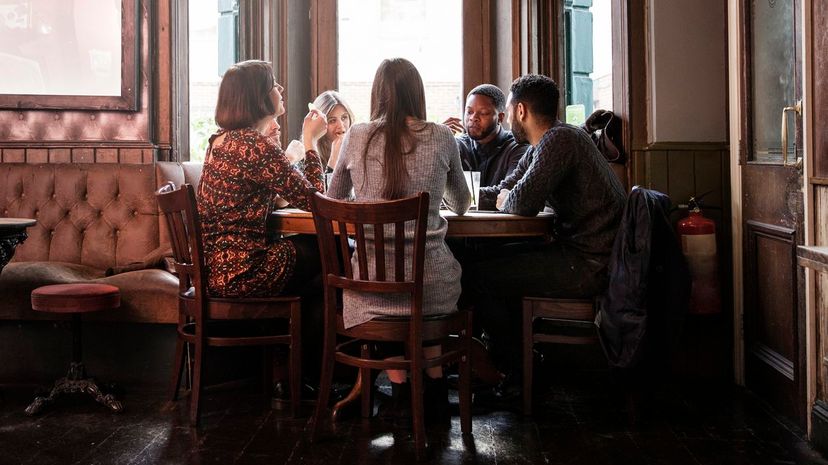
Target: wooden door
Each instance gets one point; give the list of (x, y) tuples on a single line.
[(772, 210)]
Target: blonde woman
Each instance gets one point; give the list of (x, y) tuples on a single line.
[(340, 118)]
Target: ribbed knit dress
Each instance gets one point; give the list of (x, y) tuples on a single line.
[(433, 167)]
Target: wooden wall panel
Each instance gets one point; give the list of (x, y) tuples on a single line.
[(60, 156), (14, 156), (85, 155), (133, 155), (106, 156), (37, 156), (708, 176)]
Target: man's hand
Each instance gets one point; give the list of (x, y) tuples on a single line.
[(501, 198), (455, 125)]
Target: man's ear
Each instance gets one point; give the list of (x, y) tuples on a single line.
[(520, 111), (500, 117)]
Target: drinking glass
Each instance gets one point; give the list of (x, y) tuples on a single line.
[(473, 183)]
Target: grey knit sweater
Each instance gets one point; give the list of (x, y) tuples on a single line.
[(433, 167), (567, 173)]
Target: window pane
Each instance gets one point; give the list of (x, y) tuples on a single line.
[(773, 75), (588, 58), (213, 48), (426, 32)]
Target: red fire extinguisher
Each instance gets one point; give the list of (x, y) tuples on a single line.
[(698, 242)]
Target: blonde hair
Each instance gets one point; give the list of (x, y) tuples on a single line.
[(325, 102)]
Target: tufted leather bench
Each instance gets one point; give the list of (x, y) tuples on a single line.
[(95, 223)]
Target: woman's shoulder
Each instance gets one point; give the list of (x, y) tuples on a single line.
[(436, 133), (363, 127)]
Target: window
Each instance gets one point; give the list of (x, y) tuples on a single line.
[(426, 32), (588, 58), (213, 46)]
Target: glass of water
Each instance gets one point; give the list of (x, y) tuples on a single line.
[(473, 183)]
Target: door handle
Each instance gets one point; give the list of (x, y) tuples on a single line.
[(798, 109)]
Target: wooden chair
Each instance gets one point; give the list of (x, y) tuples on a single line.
[(198, 314), (333, 217), (558, 314)]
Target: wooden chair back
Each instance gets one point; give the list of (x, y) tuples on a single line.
[(393, 233), (179, 209), (394, 254)]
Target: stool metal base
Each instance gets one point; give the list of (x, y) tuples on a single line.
[(75, 382)]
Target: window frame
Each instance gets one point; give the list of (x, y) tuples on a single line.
[(536, 47)]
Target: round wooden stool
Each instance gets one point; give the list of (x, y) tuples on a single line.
[(75, 299)]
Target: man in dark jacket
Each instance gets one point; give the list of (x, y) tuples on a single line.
[(484, 144)]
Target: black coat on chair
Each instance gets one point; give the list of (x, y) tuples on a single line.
[(640, 317)]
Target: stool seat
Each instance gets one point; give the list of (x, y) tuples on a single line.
[(75, 298)]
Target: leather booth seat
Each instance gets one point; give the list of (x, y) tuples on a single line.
[(96, 223)]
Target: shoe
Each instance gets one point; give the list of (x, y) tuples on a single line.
[(397, 408), (435, 400), (280, 399)]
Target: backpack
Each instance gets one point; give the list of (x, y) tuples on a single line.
[(605, 130)]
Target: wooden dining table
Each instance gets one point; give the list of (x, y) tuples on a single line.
[(471, 224)]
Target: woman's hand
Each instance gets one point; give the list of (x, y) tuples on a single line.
[(314, 126), (336, 146)]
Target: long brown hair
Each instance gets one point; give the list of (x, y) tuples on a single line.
[(244, 95), (397, 94)]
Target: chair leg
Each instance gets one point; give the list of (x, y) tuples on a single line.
[(267, 370), (527, 358), (417, 411), (325, 380), (366, 386), (198, 372), (465, 380), (178, 368), (295, 359)]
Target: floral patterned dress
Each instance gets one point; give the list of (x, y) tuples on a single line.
[(239, 183)]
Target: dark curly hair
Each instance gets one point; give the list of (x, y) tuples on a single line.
[(539, 93), (493, 92)]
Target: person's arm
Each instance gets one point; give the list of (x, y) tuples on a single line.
[(514, 156), (291, 185), (456, 196), (488, 195), (288, 183), (341, 183), (550, 165)]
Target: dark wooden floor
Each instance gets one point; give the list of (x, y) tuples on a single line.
[(582, 422)]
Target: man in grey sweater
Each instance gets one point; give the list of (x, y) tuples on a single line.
[(566, 173)]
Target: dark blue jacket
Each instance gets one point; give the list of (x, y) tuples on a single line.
[(640, 317)]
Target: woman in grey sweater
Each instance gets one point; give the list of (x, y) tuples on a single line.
[(398, 154)]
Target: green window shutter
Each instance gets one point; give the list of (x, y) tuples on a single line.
[(228, 34), (578, 26)]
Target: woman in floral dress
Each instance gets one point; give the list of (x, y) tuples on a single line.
[(244, 171)]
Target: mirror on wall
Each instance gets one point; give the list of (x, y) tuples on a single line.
[(69, 54)]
